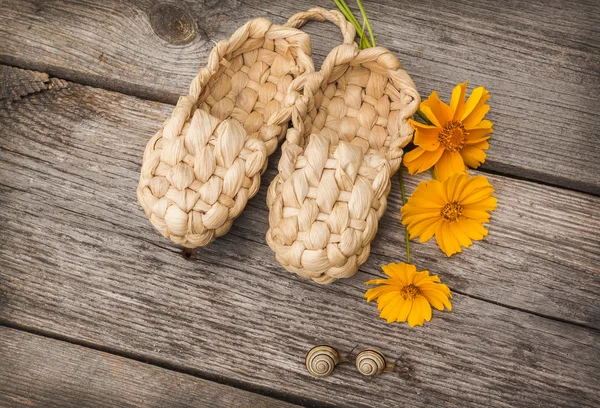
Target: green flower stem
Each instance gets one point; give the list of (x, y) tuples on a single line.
[(424, 117), (345, 9), (366, 20), (404, 203), (343, 6)]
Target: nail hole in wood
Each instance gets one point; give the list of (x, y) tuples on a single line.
[(188, 254)]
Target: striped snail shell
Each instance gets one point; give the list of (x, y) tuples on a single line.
[(370, 362), (321, 360)]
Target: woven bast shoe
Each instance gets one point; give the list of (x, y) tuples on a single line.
[(334, 173), (204, 164)]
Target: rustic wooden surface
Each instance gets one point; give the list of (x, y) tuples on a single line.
[(42, 372), (81, 260), (539, 60), (80, 263)]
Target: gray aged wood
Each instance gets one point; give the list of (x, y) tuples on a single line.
[(39, 372), (539, 60), (81, 260)]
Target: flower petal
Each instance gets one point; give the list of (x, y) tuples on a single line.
[(430, 231), (483, 145), (436, 286), (447, 242), (396, 271), (473, 229), (430, 115), (419, 215), (419, 228), (472, 185), (429, 190), (477, 98), (454, 185), (424, 203), (478, 195), (461, 236), (420, 277), (440, 110), (374, 293), (487, 204), (419, 159), (426, 307), (420, 125), (476, 116), (436, 298), (477, 215), (385, 299), (391, 311), (472, 156), (420, 310), (449, 162), (427, 139), (484, 124), (477, 135), (457, 101), (404, 311)]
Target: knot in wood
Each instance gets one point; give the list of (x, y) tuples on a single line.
[(173, 24)]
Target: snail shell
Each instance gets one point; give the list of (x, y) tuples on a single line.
[(370, 362), (321, 360)]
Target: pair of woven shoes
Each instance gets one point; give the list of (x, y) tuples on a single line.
[(348, 127)]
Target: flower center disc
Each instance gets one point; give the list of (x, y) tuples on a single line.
[(409, 292), (453, 136), (451, 211)]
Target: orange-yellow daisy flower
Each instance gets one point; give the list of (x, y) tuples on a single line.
[(453, 210), (408, 295), (457, 137)]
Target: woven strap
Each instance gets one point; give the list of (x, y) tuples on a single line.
[(320, 14), (299, 97)]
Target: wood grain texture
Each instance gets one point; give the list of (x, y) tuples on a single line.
[(80, 259), (39, 372), (539, 60)]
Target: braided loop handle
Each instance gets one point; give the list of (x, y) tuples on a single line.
[(320, 14), (303, 88), (297, 100)]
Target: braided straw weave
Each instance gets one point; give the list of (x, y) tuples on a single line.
[(334, 173), (201, 168)]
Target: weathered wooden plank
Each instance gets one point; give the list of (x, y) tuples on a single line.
[(42, 372), (80, 259), (540, 60), (538, 232)]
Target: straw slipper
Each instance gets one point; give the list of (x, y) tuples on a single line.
[(204, 164), (334, 173)]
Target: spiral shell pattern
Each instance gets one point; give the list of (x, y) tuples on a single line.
[(321, 360), (370, 362)]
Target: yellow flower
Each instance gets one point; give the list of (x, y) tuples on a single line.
[(408, 294), (458, 136), (453, 210)]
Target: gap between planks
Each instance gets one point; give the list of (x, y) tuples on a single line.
[(61, 77)]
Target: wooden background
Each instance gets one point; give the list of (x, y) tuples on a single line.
[(97, 309)]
